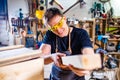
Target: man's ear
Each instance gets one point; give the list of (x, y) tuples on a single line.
[(65, 18)]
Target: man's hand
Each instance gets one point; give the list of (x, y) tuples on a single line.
[(77, 71), (56, 57)]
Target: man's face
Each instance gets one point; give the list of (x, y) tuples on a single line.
[(58, 25)]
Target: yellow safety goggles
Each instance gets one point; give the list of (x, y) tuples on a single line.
[(58, 25)]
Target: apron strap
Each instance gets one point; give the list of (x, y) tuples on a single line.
[(56, 49), (69, 44)]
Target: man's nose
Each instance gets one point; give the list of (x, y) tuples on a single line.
[(58, 30)]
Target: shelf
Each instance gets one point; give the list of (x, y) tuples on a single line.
[(114, 26), (42, 29), (91, 39), (113, 39), (29, 35), (89, 26), (114, 53), (89, 21)]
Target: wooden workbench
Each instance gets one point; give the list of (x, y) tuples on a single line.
[(21, 64)]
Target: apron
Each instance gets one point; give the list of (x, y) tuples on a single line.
[(60, 74)]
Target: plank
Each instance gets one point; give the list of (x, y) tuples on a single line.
[(27, 70), (83, 61), (11, 47), (17, 55)]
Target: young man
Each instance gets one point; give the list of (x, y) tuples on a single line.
[(63, 40)]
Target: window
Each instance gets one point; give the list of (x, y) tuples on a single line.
[(3, 9)]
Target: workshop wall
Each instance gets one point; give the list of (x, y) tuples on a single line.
[(3, 21), (6, 33), (15, 5), (13, 10), (116, 7), (84, 12), (76, 11), (79, 12)]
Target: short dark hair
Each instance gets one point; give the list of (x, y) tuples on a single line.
[(51, 12)]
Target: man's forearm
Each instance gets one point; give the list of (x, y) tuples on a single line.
[(88, 51), (47, 59)]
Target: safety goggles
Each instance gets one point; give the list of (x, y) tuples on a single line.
[(58, 25)]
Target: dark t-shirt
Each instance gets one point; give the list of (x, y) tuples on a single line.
[(79, 40)]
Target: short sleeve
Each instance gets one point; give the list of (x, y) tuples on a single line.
[(85, 39), (48, 38)]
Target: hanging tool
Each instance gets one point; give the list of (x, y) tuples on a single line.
[(56, 2), (110, 12), (118, 47), (79, 1)]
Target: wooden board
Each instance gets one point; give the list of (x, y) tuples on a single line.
[(28, 70), (17, 55), (83, 61), (11, 47), (21, 64)]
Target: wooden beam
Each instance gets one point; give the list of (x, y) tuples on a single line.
[(28, 70), (83, 61), (11, 47)]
